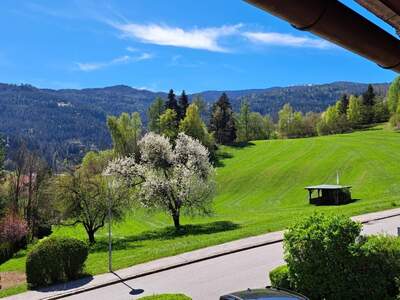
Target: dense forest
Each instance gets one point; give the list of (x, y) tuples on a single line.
[(64, 124)]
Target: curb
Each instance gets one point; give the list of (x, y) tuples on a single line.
[(216, 254)]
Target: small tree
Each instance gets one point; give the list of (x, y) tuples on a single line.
[(125, 132), (222, 121), (154, 113), (183, 105), (243, 122), (393, 95), (355, 112), (174, 179), (192, 125), (169, 123), (84, 196)]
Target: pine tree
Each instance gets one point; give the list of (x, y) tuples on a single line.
[(368, 101), (344, 104), (222, 122), (171, 102), (183, 105), (368, 96)]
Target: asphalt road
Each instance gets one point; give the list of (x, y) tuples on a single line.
[(209, 279)]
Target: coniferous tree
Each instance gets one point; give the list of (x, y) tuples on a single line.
[(344, 104), (222, 121), (171, 102), (368, 96), (368, 101), (183, 105)]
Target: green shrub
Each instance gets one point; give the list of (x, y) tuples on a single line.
[(55, 260), (166, 297), (6, 251), (319, 256), (377, 260), (280, 277)]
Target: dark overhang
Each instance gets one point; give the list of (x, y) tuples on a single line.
[(334, 21)]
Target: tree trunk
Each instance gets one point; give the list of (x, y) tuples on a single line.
[(90, 234), (175, 217)]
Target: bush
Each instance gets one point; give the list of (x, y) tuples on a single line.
[(280, 277), (166, 297), (319, 256), (55, 260), (377, 269), (6, 251), (328, 259)]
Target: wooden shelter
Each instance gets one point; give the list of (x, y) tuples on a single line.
[(329, 194)]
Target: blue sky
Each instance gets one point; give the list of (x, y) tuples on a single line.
[(160, 44)]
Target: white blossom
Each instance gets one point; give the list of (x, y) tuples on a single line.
[(171, 178)]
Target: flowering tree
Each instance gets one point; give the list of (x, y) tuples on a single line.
[(12, 228), (172, 178)]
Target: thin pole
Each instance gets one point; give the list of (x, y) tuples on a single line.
[(109, 236)]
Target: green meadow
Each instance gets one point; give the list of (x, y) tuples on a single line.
[(260, 189)]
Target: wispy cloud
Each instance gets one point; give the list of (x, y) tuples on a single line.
[(92, 66), (207, 38), (284, 39)]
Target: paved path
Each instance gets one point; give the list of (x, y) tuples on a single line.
[(199, 278)]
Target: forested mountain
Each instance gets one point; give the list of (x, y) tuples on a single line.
[(63, 124)]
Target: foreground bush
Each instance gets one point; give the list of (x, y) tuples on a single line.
[(166, 297), (328, 259), (377, 268), (318, 252), (280, 277), (55, 260)]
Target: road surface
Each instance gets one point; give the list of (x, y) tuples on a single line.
[(209, 279)]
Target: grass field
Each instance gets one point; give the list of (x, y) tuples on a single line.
[(260, 189)]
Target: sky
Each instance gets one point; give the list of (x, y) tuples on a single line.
[(160, 44)]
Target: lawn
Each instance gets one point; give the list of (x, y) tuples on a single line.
[(260, 189)]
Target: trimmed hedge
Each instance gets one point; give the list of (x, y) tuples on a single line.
[(166, 297), (280, 277), (55, 260)]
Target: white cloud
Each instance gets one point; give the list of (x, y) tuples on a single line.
[(284, 39), (131, 49), (92, 66), (199, 38)]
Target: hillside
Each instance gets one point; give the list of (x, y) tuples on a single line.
[(66, 123), (260, 189)]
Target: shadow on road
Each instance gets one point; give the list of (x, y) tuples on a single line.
[(133, 290), (67, 285)]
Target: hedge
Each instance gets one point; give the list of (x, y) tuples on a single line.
[(55, 260), (166, 297), (279, 277)]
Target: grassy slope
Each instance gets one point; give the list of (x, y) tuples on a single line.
[(260, 189)]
